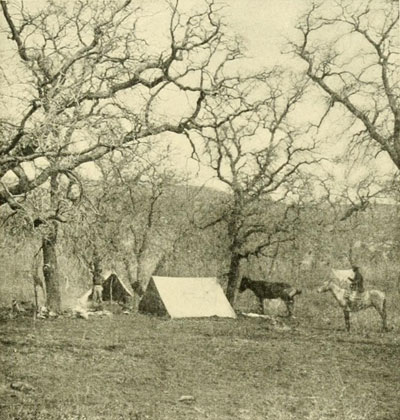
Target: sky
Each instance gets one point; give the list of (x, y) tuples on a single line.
[(264, 26)]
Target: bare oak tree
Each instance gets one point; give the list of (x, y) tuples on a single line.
[(84, 81), (79, 61), (256, 151), (351, 51)]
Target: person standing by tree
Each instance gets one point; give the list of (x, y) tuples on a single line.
[(97, 276)]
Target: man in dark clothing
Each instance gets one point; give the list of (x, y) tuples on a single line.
[(356, 287), (357, 282)]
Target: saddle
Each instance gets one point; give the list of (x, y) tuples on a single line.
[(354, 299)]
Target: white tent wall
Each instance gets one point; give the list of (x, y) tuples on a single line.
[(189, 297), (343, 276)]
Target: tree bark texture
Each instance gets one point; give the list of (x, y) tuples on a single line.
[(233, 278), (50, 270)]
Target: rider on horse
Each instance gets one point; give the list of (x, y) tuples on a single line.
[(357, 282), (356, 286)]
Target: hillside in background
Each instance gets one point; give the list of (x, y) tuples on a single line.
[(179, 245)]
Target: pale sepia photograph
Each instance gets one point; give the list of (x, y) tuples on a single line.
[(199, 210)]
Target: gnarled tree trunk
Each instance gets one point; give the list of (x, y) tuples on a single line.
[(233, 278), (49, 242), (50, 270)]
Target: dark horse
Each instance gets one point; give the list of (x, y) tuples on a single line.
[(271, 290)]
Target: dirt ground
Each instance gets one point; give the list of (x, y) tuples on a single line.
[(141, 367)]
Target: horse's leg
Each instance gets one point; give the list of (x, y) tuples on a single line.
[(261, 300), (289, 306), (347, 319), (382, 312)]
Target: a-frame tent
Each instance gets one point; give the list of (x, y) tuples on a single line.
[(114, 289), (185, 297)]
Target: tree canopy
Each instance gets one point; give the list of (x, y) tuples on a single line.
[(89, 82), (351, 52)]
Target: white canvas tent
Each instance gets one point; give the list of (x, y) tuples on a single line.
[(343, 276), (185, 297)]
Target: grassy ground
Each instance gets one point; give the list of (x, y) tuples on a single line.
[(138, 367)]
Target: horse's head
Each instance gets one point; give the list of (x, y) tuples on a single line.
[(244, 284), (325, 286)]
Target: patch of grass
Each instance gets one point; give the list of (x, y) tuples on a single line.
[(137, 367)]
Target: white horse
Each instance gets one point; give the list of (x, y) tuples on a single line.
[(368, 299)]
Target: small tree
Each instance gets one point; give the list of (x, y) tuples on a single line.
[(131, 216), (338, 216)]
